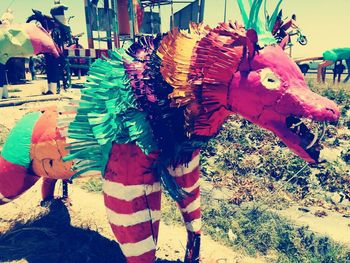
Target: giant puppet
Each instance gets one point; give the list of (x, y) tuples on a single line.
[(22, 40), (146, 111)]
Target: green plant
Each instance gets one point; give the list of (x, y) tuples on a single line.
[(260, 231), (94, 184), (3, 134)]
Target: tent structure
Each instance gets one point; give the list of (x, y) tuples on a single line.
[(114, 21)]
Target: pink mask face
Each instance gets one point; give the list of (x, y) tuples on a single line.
[(271, 92)]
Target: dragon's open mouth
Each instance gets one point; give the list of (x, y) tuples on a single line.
[(310, 134)]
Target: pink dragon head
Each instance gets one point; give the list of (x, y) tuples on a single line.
[(269, 90)]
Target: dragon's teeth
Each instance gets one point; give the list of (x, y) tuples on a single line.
[(314, 140)]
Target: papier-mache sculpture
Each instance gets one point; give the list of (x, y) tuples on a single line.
[(145, 112)]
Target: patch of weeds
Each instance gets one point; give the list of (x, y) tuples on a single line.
[(15, 90), (335, 177), (258, 231), (170, 212), (345, 155), (94, 184), (3, 134), (245, 150)]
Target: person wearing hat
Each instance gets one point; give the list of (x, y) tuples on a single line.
[(57, 12)]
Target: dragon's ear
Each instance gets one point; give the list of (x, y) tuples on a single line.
[(249, 42), (284, 42), (252, 42)]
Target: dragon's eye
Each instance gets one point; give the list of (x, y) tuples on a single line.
[(269, 79)]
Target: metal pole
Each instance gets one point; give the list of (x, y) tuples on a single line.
[(116, 24), (199, 11), (64, 189), (88, 18), (160, 19), (152, 17), (172, 14), (98, 26), (131, 19), (225, 11), (108, 33)]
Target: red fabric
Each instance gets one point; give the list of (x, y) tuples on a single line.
[(193, 196), (189, 217), (135, 233), (188, 180), (137, 204), (128, 165), (14, 179)]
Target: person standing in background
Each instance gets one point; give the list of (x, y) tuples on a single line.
[(57, 12), (3, 82), (6, 19), (32, 68)]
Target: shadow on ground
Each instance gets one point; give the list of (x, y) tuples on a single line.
[(51, 239)]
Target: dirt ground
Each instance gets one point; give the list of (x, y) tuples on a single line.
[(79, 233), (39, 234)]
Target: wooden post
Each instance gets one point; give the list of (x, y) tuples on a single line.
[(116, 24), (172, 15), (88, 23), (160, 18), (108, 33), (131, 19), (64, 189)]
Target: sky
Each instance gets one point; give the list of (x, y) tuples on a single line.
[(324, 22)]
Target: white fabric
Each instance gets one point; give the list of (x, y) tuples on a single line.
[(132, 219), (128, 192), (139, 248)]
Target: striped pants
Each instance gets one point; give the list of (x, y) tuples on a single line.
[(132, 197)]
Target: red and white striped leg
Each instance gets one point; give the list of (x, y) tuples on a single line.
[(187, 176), (132, 198)]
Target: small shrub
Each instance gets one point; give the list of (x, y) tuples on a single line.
[(94, 184)]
